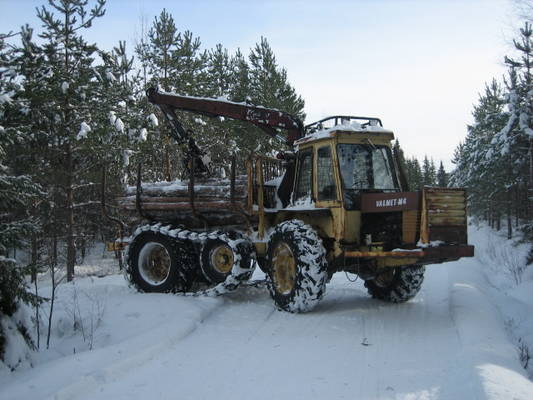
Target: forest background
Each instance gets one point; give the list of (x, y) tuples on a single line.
[(68, 109)]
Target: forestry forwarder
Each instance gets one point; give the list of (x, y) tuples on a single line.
[(339, 202)]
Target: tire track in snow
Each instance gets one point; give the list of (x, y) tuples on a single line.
[(245, 348), (410, 353), (480, 328), (89, 383)]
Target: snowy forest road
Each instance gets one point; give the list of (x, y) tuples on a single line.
[(447, 343)]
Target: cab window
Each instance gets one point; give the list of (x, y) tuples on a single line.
[(303, 184), (325, 178)]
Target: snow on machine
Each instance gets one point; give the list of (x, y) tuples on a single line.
[(337, 202)]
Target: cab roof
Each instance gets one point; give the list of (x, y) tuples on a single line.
[(348, 128)]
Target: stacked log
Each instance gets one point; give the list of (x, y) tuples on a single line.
[(171, 201)]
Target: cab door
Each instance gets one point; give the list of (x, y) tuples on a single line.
[(328, 195), (326, 189), (303, 187)]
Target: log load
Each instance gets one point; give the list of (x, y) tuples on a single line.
[(171, 202)]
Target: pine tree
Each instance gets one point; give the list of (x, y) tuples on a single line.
[(414, 174), (476, 160), (442, 176), (18, 195), (517, 137), (429, 174), (521, 110), (269, 87), (269, 83), (157, 52), (495, 160), (173, 61), (219, 70), (60, 95), (240, 89), (400, 159)]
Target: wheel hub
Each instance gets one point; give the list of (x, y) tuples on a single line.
[(284, 268), (154, 263), (222, 258)]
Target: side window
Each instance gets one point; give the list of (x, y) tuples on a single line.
[(325, 179), (303, 186)]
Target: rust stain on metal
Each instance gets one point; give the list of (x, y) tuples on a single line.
[(410, 220), (394, 254)]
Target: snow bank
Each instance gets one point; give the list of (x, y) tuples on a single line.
[(125, 330), (484, 340), (17, 348), (509, 285)]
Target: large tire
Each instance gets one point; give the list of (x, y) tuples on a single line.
[(226, 254), (397, 285), (297, 267), (218, 256), (156, 263)]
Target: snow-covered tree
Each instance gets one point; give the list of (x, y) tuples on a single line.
[(240, 89), (60, 96), (18, 195), (495, 161), (269, 83)]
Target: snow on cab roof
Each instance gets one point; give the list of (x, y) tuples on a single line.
[(347, 126)]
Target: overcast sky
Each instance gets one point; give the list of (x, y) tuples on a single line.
[(418, 65)]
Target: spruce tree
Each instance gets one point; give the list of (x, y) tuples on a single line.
[(495, 160), (429, 174), (399, 158), (414, 174), (521, 118), (476, 160), (442, 176)]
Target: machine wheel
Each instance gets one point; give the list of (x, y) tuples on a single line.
[(397, 285), (155, 262), (217, 259), (297, 267)]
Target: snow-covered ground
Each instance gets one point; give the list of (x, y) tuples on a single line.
[(458, 339)]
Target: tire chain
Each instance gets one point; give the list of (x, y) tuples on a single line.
[(239, 245)]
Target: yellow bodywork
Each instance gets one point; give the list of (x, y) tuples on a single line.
[(341, 228)]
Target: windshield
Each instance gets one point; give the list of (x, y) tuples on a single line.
[(365, 167)]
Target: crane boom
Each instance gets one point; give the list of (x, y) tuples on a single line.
[(269, 120)]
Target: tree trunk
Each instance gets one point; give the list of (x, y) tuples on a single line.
[(168, 177), (36, 287), (83, 245), (509, 217), (71, 247), (53, 264), (517, 206), (34, 258)]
